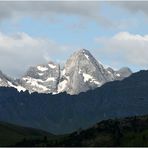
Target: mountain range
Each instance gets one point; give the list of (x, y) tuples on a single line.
[(81, 72), (64, 113)]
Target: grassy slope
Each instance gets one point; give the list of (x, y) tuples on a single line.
[(131, 131)]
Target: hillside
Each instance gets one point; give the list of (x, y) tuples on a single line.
[(131, 131), (11, 134), (63, 113)]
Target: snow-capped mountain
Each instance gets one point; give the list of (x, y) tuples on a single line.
[(125, 98), (81, 72), (42, 78)]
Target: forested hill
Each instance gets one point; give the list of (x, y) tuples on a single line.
[(131, 131), (63, 113)]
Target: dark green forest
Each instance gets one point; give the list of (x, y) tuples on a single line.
[(131, 131)]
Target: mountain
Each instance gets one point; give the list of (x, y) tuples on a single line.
[(42, 78), (82, 72), (64, 113)]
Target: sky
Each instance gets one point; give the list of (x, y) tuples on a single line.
[(36, 32)]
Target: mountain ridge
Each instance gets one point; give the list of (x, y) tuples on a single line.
[(64, 113), (81, 72)]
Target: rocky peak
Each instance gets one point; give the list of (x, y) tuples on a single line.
[(82, 72), (42, 78)]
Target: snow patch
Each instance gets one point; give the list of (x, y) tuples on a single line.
[(42, 68), (87, 77), (52, 66), (54, 93), (86, 56), (19, 88), (40, 74), (62, 85), (96, 82), (109, 72), (34, 82), (80, 71), (67, 77), (118, 75), (50, 79), (63, 72)]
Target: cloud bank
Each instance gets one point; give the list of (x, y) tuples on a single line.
[(10, 9), (127, 47), (133, 6), (19, 51)]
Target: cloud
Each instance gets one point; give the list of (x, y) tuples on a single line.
[(85, 11), (133, 6), (127, 48), (19, 51), (10, 9)]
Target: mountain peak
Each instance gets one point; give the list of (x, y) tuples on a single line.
[(42, 78), (83, 52), (80, 73), (81, 55)]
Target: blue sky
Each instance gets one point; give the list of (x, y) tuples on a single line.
[(35, 32)]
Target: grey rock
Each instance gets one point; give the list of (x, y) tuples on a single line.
[(81, 72), (42, 78), (5, 80), (123, 73)]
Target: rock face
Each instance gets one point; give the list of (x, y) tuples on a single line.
[(42, 78), (119, 74), (81, 72), (5, 81), (123, 72)]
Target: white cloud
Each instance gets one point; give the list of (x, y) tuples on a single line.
[(127, 48), (19, 51)]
